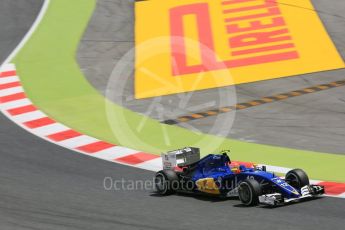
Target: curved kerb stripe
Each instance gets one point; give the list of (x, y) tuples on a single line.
[(17, 107)]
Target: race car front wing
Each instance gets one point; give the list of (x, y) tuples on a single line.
[(308, 191)]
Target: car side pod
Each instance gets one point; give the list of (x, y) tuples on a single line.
[(307, 192)]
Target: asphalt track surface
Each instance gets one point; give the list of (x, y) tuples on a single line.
[(310, 122), (43, 186)]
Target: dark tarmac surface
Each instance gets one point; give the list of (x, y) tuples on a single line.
[(43, 186)]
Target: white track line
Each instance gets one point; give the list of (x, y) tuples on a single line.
[(276, 169), (152, 165), (25, 117), (114, 152), (10, 91), (78, 141), (26, 37), (5, 80), (15, 104), (49, 129)]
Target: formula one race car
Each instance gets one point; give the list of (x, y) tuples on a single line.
[(184, 171)]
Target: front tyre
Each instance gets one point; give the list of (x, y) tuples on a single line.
[(297, 178), (249, 192), (166, 182)]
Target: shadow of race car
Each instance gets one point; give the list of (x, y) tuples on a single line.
[(215, 174)]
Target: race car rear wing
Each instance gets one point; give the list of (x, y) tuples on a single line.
[(180, 157)]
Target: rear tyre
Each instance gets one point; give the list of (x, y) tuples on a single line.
[(249, 192), (297, 178), (166, 182)]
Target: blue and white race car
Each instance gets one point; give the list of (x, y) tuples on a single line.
[(184, 171)]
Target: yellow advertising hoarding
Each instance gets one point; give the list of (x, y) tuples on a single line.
[(189, 45)]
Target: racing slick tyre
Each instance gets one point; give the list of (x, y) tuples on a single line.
[(249, 191), (166, 182), (297, 178)]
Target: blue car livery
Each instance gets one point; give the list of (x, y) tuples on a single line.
[(184, 171)]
